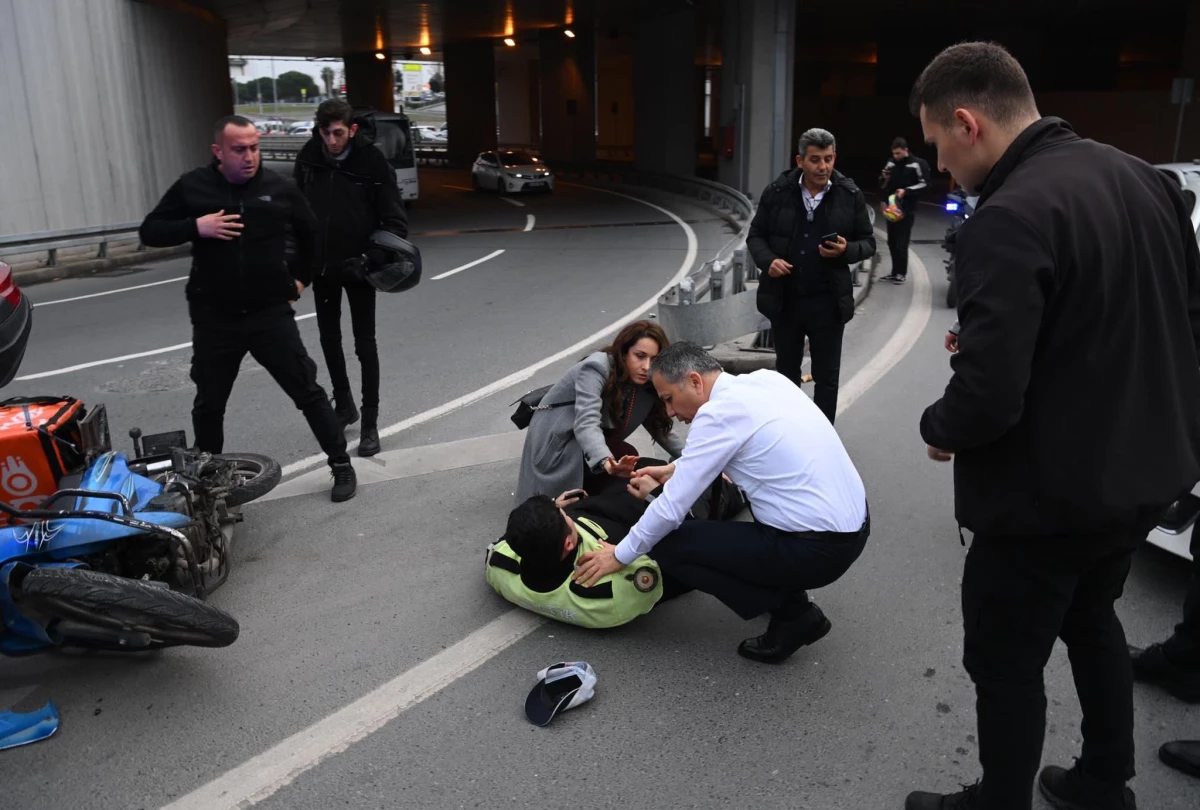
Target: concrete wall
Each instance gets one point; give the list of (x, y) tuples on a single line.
[(470, 98), (568, 69), (1141, 123), (108, 102), (518, 112)]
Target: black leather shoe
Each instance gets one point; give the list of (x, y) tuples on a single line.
[(1182, 755), (963, 800), (1151, 665), (368, 436), (1076, 790), (784, 637), (345, 482), (344, 408)]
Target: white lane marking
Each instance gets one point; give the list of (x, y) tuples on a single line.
[(511, 201), (469, 265), (256, 779), (902, 340), (108, 292), (529, 371), (177, 347), (529, 222), (460, 188), (264, 775)]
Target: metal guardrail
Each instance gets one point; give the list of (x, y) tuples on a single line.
[(53, 241)]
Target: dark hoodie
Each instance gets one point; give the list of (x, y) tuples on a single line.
[(1075, 401), (776, 233), (351, 197)]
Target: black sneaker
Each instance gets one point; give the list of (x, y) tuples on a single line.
[(1076, 790), (1182, 755), (1152, 665), (966, 799), (345, 481), (344, 409), (888, 277), (898, 279), (368, 435)]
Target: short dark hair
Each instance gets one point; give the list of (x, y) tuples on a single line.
[(982, 75), (236, 120), (334, 110), (899, 143), (680, 359), (820, 138), (536, 531)]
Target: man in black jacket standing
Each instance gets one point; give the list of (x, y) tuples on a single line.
[(241, 288), (906, 176), (810, 226), (353, 191), (1079, 260)]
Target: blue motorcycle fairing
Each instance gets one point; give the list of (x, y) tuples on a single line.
[(21, 634), (21, 728), (74, 537), (110, 473)]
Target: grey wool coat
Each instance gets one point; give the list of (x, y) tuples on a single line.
[(559, 442)]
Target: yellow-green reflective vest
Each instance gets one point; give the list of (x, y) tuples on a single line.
[(614, 600)]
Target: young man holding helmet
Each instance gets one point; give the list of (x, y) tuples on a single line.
[(352, 190)]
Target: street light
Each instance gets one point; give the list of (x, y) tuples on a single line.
[(570, 34), (510, 42), (426, 50), (380, 55)]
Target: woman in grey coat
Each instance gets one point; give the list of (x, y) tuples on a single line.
[(579, 445)]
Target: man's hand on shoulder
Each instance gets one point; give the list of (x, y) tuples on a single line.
[(219, 226), (596, 565)]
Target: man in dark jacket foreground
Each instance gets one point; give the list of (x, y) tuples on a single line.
[(1073, 414), (353, 192), (241, 288), (810, 226)]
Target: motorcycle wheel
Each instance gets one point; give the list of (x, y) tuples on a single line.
[(260, 476), (168, 617)]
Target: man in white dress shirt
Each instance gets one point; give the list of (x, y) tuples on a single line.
[(810, 507)]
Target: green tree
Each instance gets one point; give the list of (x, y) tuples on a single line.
[(437, 83), (292, 82)]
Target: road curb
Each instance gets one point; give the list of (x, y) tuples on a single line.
[(737, 356), (29, 276)]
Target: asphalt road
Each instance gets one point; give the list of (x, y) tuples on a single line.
[(351, 684)]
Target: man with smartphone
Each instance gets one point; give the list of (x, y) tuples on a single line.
[(811, 225)]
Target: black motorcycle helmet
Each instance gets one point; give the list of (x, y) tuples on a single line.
[(16, 320), (392, 264)]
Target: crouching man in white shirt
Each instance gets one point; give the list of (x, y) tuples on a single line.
[(810, 507)]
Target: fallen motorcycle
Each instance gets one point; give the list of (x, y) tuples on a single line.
[(123, 553)]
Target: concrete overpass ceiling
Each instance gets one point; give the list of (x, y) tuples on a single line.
[(315, 28)]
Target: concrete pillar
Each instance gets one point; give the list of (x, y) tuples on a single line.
[(665, 67), (758, 65), (470, 98), (369, 79), (519, 119), (616, 81), (568, 67), (1189, 68)]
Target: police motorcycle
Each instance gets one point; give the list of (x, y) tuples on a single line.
[(960, 206), (101, 549)]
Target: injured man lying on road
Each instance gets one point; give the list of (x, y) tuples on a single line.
[(532, 564)]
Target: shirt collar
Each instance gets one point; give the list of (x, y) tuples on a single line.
[(828, 185)]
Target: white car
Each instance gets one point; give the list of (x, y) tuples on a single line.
[(301, 128), (511, 171), (1175, 532)]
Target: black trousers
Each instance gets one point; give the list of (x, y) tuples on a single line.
[(753, 568), (898, 236), (817, 318), (1018, 595), (1183, 647), (361, 297), (219, 343)]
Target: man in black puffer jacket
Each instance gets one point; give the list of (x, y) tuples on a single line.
[(810, 226), (241, 289), (353, 192)]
